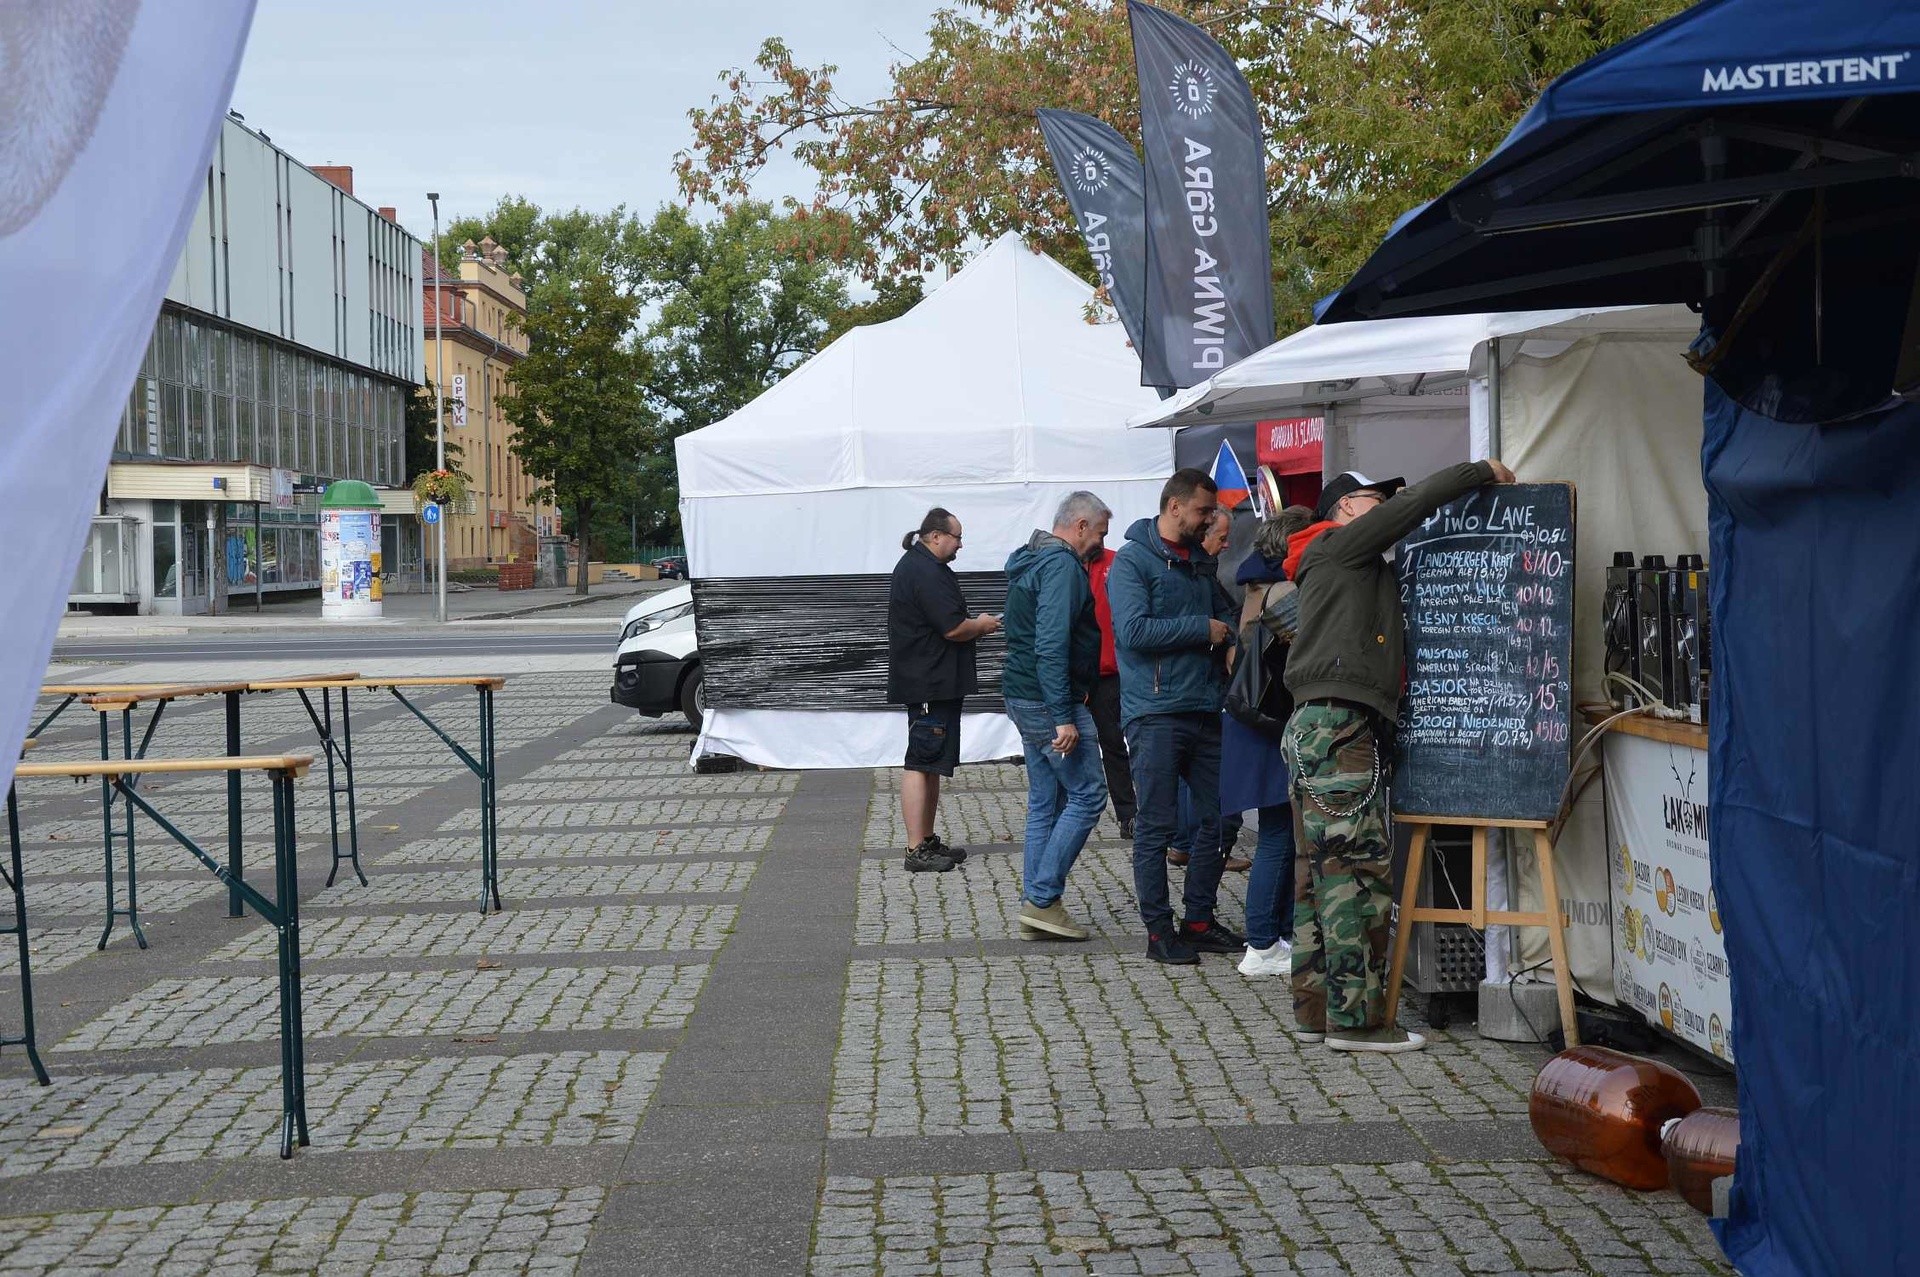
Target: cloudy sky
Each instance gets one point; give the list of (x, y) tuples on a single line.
[(568, 102)]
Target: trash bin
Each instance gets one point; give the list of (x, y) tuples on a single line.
[(350, 552)]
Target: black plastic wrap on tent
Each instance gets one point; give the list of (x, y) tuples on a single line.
[(819, 642)]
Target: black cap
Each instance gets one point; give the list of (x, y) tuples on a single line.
[(1346, 484)]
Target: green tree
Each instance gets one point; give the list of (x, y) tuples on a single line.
[(1369, 107), (555, 247), (419, 449), (738, 301), (579, 411)]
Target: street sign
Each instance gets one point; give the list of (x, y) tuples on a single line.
[(430, 512)]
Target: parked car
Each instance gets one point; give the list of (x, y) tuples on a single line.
[(671, 568), (657, 667)]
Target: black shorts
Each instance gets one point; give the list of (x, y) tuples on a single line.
[(933, 737)]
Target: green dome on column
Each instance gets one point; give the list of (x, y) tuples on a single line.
[(350, 494)]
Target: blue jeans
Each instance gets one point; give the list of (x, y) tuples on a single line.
[(1231, 823), (1270, 881), (1166, 749), (1065, 795)]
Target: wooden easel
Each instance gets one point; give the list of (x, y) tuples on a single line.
[(1478, 915)]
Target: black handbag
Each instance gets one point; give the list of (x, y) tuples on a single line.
[(1256, 690)]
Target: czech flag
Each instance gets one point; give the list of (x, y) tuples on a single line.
[(1230, 478)]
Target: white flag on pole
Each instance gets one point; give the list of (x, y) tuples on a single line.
[(108, 113)]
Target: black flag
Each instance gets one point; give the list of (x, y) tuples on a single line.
[(1209, 277), (1100, 175)]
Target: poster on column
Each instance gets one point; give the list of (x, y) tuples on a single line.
[(1670, 958)]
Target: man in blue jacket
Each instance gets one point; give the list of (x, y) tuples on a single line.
[(1053, 658), (1171, 630)]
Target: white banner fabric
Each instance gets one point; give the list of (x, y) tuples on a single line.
[(108, 113)]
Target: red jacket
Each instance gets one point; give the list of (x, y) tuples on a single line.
[(1097, 576)]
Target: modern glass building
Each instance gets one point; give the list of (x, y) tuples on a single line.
[(281, 360)]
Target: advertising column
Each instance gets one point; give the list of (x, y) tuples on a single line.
[(350, 552)]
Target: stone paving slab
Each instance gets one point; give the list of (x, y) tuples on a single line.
[(47, 900), (980, 900), (212, 1010), (535, 1230), (968, 816), (525, 883), (567, 1098), (690, 811), (699, 840), (1408, 1218), (586, 790), (1062, 1041), (57, 948), (594, 929)]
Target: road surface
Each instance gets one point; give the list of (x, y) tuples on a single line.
[(269, 646)]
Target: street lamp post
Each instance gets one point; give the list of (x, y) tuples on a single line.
[(439, 416)]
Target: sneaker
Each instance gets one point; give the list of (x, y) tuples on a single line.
[(1177, 857), (1301, 1033), (927, 858), (1212, 937), (1277, 959), (1172, 950), (1051, 920), (1384, 1041), (957, 855), (1126, 831)]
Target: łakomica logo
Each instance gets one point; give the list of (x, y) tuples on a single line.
[(1091, 170), (1193, 89)]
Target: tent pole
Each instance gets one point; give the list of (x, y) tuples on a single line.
[(1493, 398)]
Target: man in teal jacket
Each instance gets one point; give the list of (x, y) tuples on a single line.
[(1171, 629), (1053, 658)]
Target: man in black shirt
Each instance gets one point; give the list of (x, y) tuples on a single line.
[(930, 670)]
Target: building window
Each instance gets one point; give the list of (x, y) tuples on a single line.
[(166, 566)]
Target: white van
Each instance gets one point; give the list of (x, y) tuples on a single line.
[(657, 669)]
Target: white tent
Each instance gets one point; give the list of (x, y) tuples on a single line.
[(1599, 397), (994, 397)]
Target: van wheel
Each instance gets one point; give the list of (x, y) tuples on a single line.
[(693, 697)]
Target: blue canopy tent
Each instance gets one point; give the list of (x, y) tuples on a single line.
[(1760, 159)]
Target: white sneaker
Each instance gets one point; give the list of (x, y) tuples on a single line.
[(1274, 960)]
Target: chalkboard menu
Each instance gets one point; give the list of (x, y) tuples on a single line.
[(1486, 586)]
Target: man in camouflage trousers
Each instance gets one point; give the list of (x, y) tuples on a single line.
[(1345, 671)]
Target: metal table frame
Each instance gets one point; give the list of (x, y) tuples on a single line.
[(281, 911)]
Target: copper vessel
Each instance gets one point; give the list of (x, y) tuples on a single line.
[(1603, 1111), (1700, 1148)]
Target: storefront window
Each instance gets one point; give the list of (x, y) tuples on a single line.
[(166, 565)]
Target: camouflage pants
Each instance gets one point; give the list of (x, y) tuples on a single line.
[(1343, 890)]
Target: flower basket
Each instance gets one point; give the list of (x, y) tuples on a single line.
[(441, 487)]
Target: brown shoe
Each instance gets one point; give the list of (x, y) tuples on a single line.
[(1177, 857), (1237, 864)]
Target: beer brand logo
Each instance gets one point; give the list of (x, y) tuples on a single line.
[(1663, 891), (1669, 1006), (1090, 170), (1717, 1035), (1193, 89), (1630, 928), (1713, 911), (1626, 871), (1699, 964), (1646, 939)]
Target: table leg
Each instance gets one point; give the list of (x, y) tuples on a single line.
[(293, 1115), (106, 825), (17, 881), (133, 864), (489, 808), (236, 855), (353, 813), (324, 722)]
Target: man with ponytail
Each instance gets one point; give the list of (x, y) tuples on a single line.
[(930, 670)]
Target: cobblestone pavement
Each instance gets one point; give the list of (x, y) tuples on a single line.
[(718, 1028)]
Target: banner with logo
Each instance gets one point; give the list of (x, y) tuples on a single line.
[(1209, 273), (1102, 180), (1670, 958), (1292, 445), (108, 112)]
